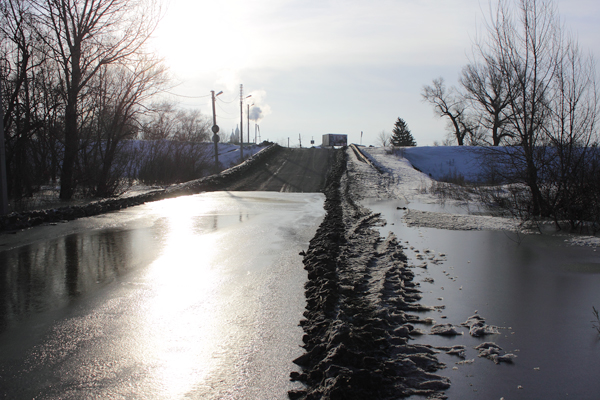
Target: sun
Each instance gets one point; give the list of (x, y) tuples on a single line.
[(200, 37)]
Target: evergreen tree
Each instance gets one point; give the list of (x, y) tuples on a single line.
[(401, 135)]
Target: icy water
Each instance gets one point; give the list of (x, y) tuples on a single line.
[(538, 289), (197, 297)]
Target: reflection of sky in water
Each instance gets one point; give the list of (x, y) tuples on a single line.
[(201, 298)]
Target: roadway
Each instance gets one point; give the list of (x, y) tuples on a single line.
[(289, 170)]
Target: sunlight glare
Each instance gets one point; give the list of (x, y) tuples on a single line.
[(185, 280)]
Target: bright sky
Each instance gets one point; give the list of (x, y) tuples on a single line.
[(329, 66)]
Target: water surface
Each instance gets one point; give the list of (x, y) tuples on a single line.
[(196, 297), (537, 288)]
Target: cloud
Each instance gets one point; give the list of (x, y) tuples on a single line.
[(229, 79)]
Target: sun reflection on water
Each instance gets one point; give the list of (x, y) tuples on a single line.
[(181, 320)]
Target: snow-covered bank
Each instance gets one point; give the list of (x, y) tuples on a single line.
[(439, 220), (410, 176), (410, 185)]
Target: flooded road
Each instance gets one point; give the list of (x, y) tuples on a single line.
[(536, 288), (196, 297)]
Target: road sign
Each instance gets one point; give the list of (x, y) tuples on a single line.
[(215, 129), (216, 138)]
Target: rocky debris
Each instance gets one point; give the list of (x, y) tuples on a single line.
[(506, 358), (22, 220), (478, 327), (457, 350), (445, 330), (428, 321), (492, 351), (488, 348), (358, 296)]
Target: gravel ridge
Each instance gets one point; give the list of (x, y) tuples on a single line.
[(358, 296)]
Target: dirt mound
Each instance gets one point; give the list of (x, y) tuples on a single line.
[(358, 296)]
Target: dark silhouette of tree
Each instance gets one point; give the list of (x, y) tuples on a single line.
[(489, 91), (86, 35), (31, 98), (117, 105), (528, 46), (449, 104), (540, 90), (401, 135)]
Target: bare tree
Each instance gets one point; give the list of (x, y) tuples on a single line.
[(384, 138), (17, 56), (450, 104), (488, 89), (86, 35), (552, 110), (25, 75), (160, 121), (166, 121), (571, 129), (192, 126), (528, 46), (120, 93)]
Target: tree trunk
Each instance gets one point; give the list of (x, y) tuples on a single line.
[(71, 128), (103, 189), (457, 132)]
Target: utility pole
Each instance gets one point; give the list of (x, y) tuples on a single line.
[(300, 140), (248, 126), (241, 123), (3, 183), (215, 129)]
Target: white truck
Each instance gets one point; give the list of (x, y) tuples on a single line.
[(335, 139)]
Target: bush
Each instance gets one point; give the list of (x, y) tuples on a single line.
[(173, 162)]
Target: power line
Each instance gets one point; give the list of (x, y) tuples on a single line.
[(222, 109), (188, 97), (223, 101)]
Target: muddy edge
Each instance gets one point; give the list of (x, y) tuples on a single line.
[(22, 220), (358, 297)]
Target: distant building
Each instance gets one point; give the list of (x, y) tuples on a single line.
[(235, 137), (335, 139)]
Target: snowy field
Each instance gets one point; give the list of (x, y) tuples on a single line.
[(410, 174)]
